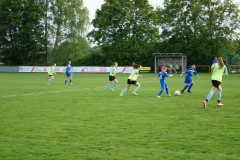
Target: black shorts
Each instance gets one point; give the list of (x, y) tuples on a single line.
[(111, 78), (50, 75), (131, 82), (216, 83)]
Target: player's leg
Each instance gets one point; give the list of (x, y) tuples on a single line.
[(49, 79), (166, 87), (115, 83), (219, 95), (174, 70), (136, 88), (66, 80), (125, 89), (70, 81), (109, 84), (190, 86), (161, 91), (184, 88), (210, 94)]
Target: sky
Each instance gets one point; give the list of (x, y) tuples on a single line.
[(93, 5)]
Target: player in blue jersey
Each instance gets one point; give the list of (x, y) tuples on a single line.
[(50, 73), (215, 60), (112, 77), (132, 79), (162, 75), (188, 80), (68, 73)]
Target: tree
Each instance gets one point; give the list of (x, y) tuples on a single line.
[(71, 51), (198, 28), (124, 29), (70, 20), (20, 31)]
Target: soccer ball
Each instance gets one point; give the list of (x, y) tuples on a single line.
[(177, 93)]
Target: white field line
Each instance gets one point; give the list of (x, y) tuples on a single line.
[(67, 90), (34, 93)]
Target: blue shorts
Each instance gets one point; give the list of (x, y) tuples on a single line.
[(188, 80), (68, 74), (164, 86)]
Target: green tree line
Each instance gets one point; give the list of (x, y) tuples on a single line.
[(41, 32)]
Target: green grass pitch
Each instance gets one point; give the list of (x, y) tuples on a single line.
[(64, 122)]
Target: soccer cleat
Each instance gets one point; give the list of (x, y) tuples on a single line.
[(70, 84), (121, 95), (204, 104), (189, 91), (158, 96), (169, 95), (182, 91), (134, 93), (219, 104), (112, 89)]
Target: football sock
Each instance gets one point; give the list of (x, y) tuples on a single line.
[(49, 81), (219, 95), (136, 88), (167, 91), (65, 81), (70, 80), (114, 85), (185, 87), (190, 86), (107, 87), (123, 91), (209, 96), (160, 92)]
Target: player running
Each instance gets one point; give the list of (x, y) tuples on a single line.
[(218, 69), (188, 80), (164, 85), (132, 79), (50, 73), (112, 77), (68, 73)]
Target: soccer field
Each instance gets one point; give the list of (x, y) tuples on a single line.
[(81, 121)]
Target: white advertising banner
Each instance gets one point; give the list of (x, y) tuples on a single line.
[(75, 69)]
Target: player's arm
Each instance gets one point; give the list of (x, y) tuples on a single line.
[(65, 70), (54, 71), (141, 76), (182, 73), (168, 75), (196, 74), (157, 76), (212, 67), (115, 71), (225, 71)]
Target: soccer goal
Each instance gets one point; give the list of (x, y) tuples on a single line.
[(170, 59)]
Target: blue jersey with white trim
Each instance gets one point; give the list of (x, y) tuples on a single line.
[(68, 68), (162, 76), (189, 72)]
